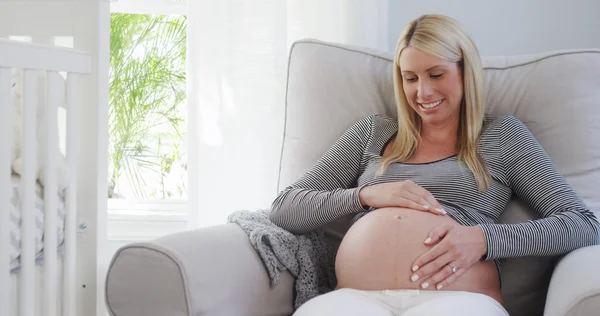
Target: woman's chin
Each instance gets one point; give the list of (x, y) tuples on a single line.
[(436, 118), (432, 119)]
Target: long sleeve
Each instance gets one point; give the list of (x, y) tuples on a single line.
[(328, 191), (565, 224)]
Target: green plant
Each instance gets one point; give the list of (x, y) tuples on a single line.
[(147, 91)]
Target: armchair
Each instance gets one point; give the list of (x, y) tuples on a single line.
[(215, 271)]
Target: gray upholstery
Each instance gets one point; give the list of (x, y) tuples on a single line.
[(210, 271)]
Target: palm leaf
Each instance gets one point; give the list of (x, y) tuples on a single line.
[(147, 86)]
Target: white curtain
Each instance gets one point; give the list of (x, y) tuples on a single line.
[(237, 62)]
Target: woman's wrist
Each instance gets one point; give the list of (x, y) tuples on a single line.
[(361, 197), (484, 249)]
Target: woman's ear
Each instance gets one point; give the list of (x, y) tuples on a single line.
[(461, 67)]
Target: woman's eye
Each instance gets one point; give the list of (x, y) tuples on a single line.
[(437, 76), (410, 79)]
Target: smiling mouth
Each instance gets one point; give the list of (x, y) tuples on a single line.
[(428, 106)]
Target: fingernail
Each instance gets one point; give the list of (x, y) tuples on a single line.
[(427, 240), (425, 285), (441, 211), (415, 268), (426, 207), (439, 287), (414, 277)]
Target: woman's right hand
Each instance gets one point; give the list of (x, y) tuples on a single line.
[(400, 194)]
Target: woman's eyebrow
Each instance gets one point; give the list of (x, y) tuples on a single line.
[(430, 68)]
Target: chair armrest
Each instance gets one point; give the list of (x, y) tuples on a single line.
[(575, 284), (208, 271)]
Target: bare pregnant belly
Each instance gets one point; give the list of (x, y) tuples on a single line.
[(377, 253)]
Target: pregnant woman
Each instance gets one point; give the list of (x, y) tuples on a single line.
[(428, 188)]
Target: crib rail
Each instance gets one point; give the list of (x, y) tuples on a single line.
[(33, 60), (5, 160), (21, 55)]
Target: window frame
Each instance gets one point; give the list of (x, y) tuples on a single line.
[(149, 6)]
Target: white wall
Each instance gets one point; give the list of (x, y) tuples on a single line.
[(510, 27)]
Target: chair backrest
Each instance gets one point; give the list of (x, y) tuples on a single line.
[(556, 95)]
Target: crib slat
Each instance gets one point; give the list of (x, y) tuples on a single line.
[(28, 179), (70, 210), (5, 188), (50, 195)]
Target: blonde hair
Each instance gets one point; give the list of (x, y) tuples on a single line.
[(445, 38)]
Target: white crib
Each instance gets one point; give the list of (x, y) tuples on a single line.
[(59, 276)]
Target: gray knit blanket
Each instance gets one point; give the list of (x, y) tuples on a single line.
[(307, 257)]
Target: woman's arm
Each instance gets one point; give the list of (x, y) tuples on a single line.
[(328, 191), (566, 223)]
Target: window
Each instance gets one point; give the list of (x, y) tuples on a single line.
[(147, 128)]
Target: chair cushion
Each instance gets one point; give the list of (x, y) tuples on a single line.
[(555, 94)]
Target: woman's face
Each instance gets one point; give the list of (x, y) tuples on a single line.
[(433, 86)]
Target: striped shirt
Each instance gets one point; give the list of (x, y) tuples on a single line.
[(516, 161)]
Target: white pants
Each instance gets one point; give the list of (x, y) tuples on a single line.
[(350, 302)]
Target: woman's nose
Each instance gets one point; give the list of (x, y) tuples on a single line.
[(424, 90)]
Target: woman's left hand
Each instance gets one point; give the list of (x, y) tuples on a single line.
[(458, 246)]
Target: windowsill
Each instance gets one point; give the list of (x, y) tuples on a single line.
[(141, 220)]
